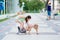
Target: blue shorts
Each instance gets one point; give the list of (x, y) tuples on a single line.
[(49, 13)]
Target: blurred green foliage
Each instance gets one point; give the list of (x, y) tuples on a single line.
[(59, 1), (32, 5)]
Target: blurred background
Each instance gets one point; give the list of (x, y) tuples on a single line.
[(37, 9), (30, 6)]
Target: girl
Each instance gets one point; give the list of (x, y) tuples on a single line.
[(49, 10), (23, 28), (26, 26)]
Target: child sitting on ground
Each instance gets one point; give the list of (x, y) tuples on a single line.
[(25, 26), (22, 28)]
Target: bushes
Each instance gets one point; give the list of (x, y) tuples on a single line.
[(33, 5)]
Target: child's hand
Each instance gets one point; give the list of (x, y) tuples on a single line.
[(16, 21), (21, 16)]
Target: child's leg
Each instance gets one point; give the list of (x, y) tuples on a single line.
[(29, 29), (18, 30), (49, 15), (36, 28), (21, 30), (21, 23)]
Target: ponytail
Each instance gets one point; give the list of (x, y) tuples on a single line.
[(26, 20), (28, 17)]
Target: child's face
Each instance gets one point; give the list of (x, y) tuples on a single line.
[(49, 3), (28, 19)]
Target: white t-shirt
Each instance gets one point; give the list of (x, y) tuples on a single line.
[(30, 23), (25, 24)]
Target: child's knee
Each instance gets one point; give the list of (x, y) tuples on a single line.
[(18, 27)]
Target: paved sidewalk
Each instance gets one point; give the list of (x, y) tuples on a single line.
[(46, 31)]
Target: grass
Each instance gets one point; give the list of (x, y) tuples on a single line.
[(14, 16), (1, 20), (59, 13)]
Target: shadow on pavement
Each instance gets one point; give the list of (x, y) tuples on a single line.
[(43, 33)]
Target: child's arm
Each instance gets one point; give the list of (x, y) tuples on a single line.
[(21, 16), (18, 21), (21, 23)]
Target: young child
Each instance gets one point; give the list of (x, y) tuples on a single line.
[(49, 10), (30, 25), (22, 28), (26, 26)]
